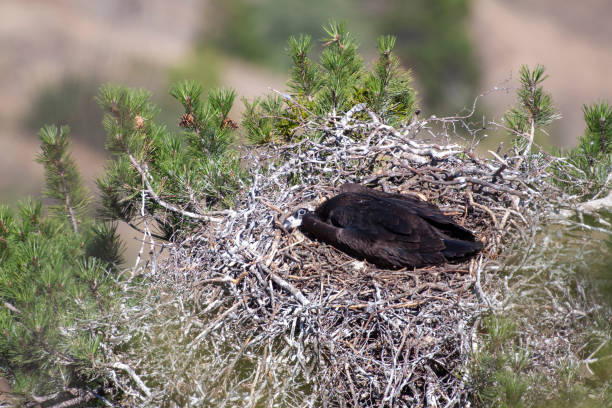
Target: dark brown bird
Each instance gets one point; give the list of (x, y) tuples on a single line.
[(388, 230)]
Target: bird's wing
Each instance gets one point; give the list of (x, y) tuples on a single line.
[(389, 241), (427, 211), (371, 219)]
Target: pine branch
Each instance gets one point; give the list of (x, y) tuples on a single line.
[(62, 176), (342, 67), (198, 169), (588, 167), (305, 78), (209, 129), (533, 111), (144, 172), (331, 87), (387, 88)]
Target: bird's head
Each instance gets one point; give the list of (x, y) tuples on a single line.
[(295, 220)]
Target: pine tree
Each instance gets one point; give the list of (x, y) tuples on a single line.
[(584, 170), (178, 178), (54, 277), (332, 87), (387, 89), (305, 78), (57, 268), (588, 167), (341, 67), (62, 177), (533, 112)]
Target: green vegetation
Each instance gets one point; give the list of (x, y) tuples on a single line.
[(57, 269), (534, 111), (504, 375), (54, 281), (333, 86), (63, 180), (162, 175), (591, 160), (504, 370), (496, 369), (433, 38), (72, 100)]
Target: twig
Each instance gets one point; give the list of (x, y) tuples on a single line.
[(141, 385), (11, 307), (82, 397)]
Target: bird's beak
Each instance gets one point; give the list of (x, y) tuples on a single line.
[(291, 223)]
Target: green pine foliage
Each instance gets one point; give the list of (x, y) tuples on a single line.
[(163, 175), (501, 371), (433, 37), (591, 161), (55, 277), (534, 109), (305, 78), (102, 241), (387, 88), (333, 86), (49, 289), (496, 369), (598, 135), (61, 175), (584, 170), (341, 67), (262, 120)]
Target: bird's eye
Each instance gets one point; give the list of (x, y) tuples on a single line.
[(301, 211)]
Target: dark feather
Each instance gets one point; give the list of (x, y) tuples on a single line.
[(423, 209), (389, 230)]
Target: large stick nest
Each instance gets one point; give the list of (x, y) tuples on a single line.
[(294, 322)]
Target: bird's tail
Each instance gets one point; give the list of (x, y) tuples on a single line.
[(456, 248)]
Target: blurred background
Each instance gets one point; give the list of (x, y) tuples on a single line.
[(54, 54)]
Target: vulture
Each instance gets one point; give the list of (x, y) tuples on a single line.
[(388, 230)]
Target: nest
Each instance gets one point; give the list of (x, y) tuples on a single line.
[(242, 313), (295, 322)]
